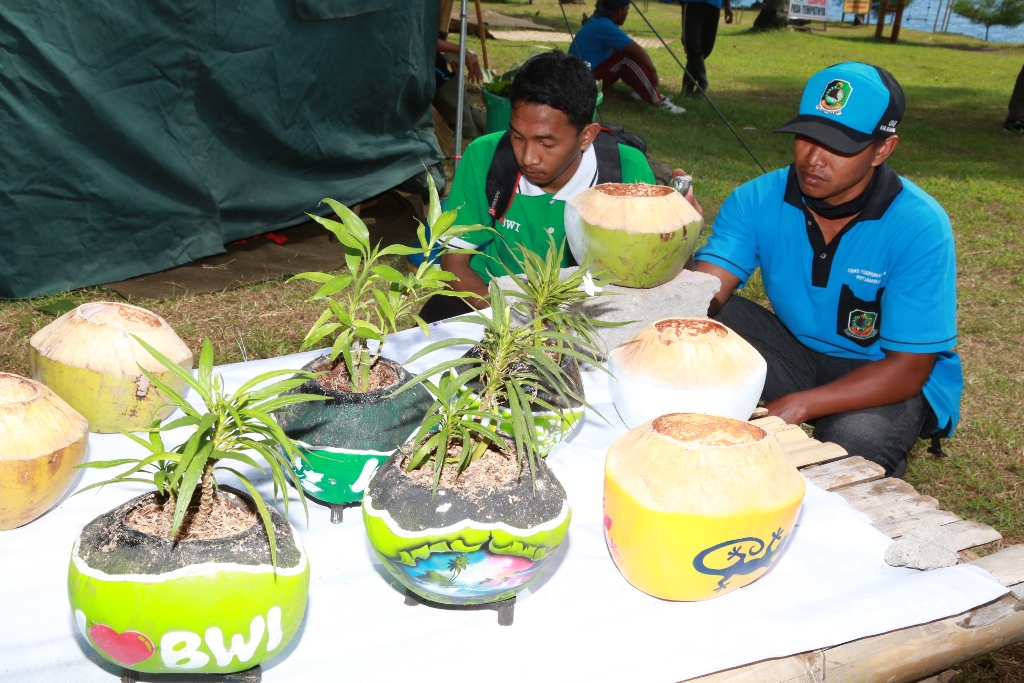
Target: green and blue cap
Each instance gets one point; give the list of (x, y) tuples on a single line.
[(848, 106)]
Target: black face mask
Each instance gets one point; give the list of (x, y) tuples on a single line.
[(846, 209)]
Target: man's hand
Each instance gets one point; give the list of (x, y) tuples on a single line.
[(690, 197), (473, 72), (469, 281), (893, 379), (727, 6)]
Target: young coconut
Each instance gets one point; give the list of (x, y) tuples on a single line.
[(43, 440), (342, 440), (688, 365), (468, 512), (187, 568), (696, 506), (91, 359), (636, 235)]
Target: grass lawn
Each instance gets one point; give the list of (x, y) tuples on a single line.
[(951, 145)]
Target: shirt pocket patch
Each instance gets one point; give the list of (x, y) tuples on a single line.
[(857, 319)]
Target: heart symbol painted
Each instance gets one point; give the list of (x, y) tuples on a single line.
[(128, 648)]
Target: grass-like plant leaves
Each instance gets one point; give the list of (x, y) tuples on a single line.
[(372, 299), (232, 430)]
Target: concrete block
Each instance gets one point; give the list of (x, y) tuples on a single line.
[(925, 546), (687, 296)]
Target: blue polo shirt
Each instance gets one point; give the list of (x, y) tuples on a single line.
[(597, 39), (887, 281)]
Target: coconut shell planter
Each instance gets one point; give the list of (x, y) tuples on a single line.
[(89, 358), (635, 235), (43, 440), (696, 506), (466, 545), (154, 605), (685, 365), (347, 437)]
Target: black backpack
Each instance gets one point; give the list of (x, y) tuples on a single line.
[(503, 175)]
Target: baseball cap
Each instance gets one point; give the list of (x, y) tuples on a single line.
[(848, 106)]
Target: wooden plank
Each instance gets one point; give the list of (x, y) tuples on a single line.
[(843, 473), (970, 534), (897, 528), (808, 667), (901, 656), (1007, 565), (904, 508), (791, 434), (770, 424), (818, 454), (794, 446), (759, 411), (874, 493)]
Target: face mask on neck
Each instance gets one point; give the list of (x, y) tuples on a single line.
[(846, 209)]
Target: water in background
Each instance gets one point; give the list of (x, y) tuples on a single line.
[(919, 15)]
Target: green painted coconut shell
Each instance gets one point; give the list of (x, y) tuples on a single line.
[(636, 235), (201, 606), (89, 358)]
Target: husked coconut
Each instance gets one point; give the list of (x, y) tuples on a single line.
[(698, 505), (690, 365), (43, 440), (89, 358), (636, 235)]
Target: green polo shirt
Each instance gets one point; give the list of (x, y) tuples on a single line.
[(530, 219)]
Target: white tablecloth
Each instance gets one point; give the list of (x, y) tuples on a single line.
[(580, 622)]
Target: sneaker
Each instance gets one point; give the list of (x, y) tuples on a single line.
[(634, 95), (1014, 127), (667, 105)]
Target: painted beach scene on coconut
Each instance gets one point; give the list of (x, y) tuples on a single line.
[(469, 577)]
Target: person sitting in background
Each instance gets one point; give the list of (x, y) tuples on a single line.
[(612, 55), (859, 267), (517, 182), (446, 96)]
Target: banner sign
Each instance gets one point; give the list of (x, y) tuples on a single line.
[(856, 6), (815, 10)]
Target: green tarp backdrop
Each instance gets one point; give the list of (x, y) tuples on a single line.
[(137, 135)]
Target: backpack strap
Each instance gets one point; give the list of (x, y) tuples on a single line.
[(502, 179), (609, 166)]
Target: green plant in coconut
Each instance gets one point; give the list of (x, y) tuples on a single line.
[(474, 469), (345, 438), (189, 568)]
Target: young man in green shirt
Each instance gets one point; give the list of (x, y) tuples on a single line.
[(517, 182)]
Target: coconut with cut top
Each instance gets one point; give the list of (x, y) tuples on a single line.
[(696, 506), (636, 235)]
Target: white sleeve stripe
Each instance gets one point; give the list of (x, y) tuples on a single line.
[(457, 243)]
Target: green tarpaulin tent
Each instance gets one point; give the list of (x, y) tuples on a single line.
[(137, 136)]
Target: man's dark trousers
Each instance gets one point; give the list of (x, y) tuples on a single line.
[(700, 28), (1017, 100), (883, 435)]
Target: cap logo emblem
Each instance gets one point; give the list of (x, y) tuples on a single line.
[(835, 97)]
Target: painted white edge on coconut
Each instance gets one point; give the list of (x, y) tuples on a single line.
[(346, 451), (98, 336), (461, 524), (202, 569), (637, 401)]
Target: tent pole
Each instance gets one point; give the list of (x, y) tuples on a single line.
[(482, 31), (462, 82)]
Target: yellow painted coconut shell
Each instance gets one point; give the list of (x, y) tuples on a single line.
[(685, 365), (636, 235), (696, 505), (89, 358), (42, 438)]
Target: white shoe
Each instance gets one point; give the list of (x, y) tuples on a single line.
[(667, 105), (634, 95)]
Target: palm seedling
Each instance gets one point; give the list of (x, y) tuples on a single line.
[(235, 429)]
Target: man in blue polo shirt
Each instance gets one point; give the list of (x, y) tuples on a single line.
[(859, 267)]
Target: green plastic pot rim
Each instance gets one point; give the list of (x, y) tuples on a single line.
[(395, 529)]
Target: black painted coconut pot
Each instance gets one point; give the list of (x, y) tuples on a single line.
[(462, 550), (203, 606), (552, 429), (345, 439)]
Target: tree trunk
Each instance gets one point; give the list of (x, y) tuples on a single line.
[(773, 15)]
